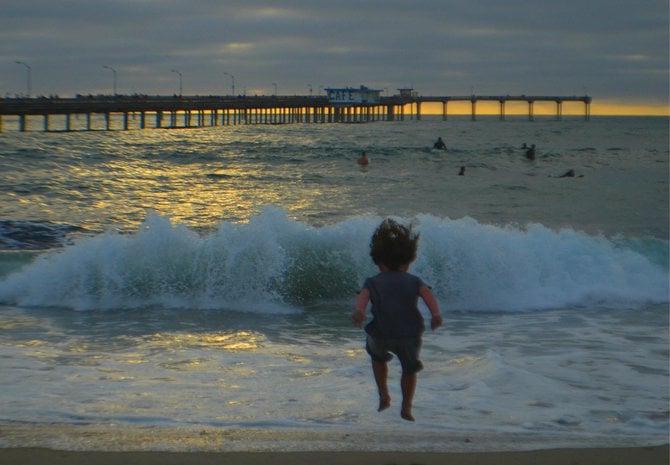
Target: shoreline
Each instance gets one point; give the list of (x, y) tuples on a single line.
[(652, 455), (123, 438)]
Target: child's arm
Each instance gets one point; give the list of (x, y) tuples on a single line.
[(362, 299), (428, 297)]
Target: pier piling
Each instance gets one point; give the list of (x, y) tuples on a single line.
[(189, 112)]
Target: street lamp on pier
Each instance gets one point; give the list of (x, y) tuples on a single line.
[(180, 80), (113, 76), (274, 84), (28, 76), (232, 82)]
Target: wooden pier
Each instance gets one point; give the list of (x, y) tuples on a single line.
[(143, 112)]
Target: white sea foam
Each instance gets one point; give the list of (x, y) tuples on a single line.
[(273, 263)]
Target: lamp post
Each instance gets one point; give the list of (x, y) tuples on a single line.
[(113, 76), (180, 80), (274, 84), (28, 76), (232, 82)]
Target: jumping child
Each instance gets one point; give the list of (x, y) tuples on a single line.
[(397, 324)]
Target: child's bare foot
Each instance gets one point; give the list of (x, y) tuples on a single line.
[(384, 402), (406, 414)]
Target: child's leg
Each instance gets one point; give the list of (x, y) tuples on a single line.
[(408, 386), (380, 370)]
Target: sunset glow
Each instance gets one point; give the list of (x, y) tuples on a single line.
[(598, 107)]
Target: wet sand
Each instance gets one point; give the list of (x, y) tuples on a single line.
[(656, 455)]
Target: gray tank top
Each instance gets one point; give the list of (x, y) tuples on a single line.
[(394, 296)]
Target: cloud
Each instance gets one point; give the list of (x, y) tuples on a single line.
[(613, 48)]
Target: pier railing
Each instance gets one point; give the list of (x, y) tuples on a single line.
[(141, 112)]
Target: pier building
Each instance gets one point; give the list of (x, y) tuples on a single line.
[(353, 96)]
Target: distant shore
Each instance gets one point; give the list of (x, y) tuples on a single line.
[(656, 455)]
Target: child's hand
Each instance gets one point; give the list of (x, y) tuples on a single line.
[(362, 299), (435, 322), (358, 318)]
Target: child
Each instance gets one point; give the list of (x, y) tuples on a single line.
[(397, 324)]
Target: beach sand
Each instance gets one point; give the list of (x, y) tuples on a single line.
[(64, 444), (609, 456)]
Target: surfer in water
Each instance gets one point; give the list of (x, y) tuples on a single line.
[(568, 174), (439, 144), (363, 159), (530, 153)]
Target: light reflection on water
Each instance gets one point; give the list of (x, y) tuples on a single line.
[(196, 191), (531, 372), (196, 177), (225, 340), (200, 177)]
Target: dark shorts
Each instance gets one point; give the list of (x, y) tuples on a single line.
[(406, 349)]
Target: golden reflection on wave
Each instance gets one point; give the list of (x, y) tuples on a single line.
[(197, 177), (17, 321), (202, 186), (462, 361), (226, 340), (353, 353)]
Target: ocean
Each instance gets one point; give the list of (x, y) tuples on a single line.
[(191, 289)]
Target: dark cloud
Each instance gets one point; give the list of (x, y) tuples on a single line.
[(612, 48)]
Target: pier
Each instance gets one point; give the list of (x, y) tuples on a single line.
[(164, 112), (503, 100)]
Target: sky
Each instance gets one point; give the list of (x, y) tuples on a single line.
[(613, 50)]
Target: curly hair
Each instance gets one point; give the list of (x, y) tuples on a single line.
[(393, 245)]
